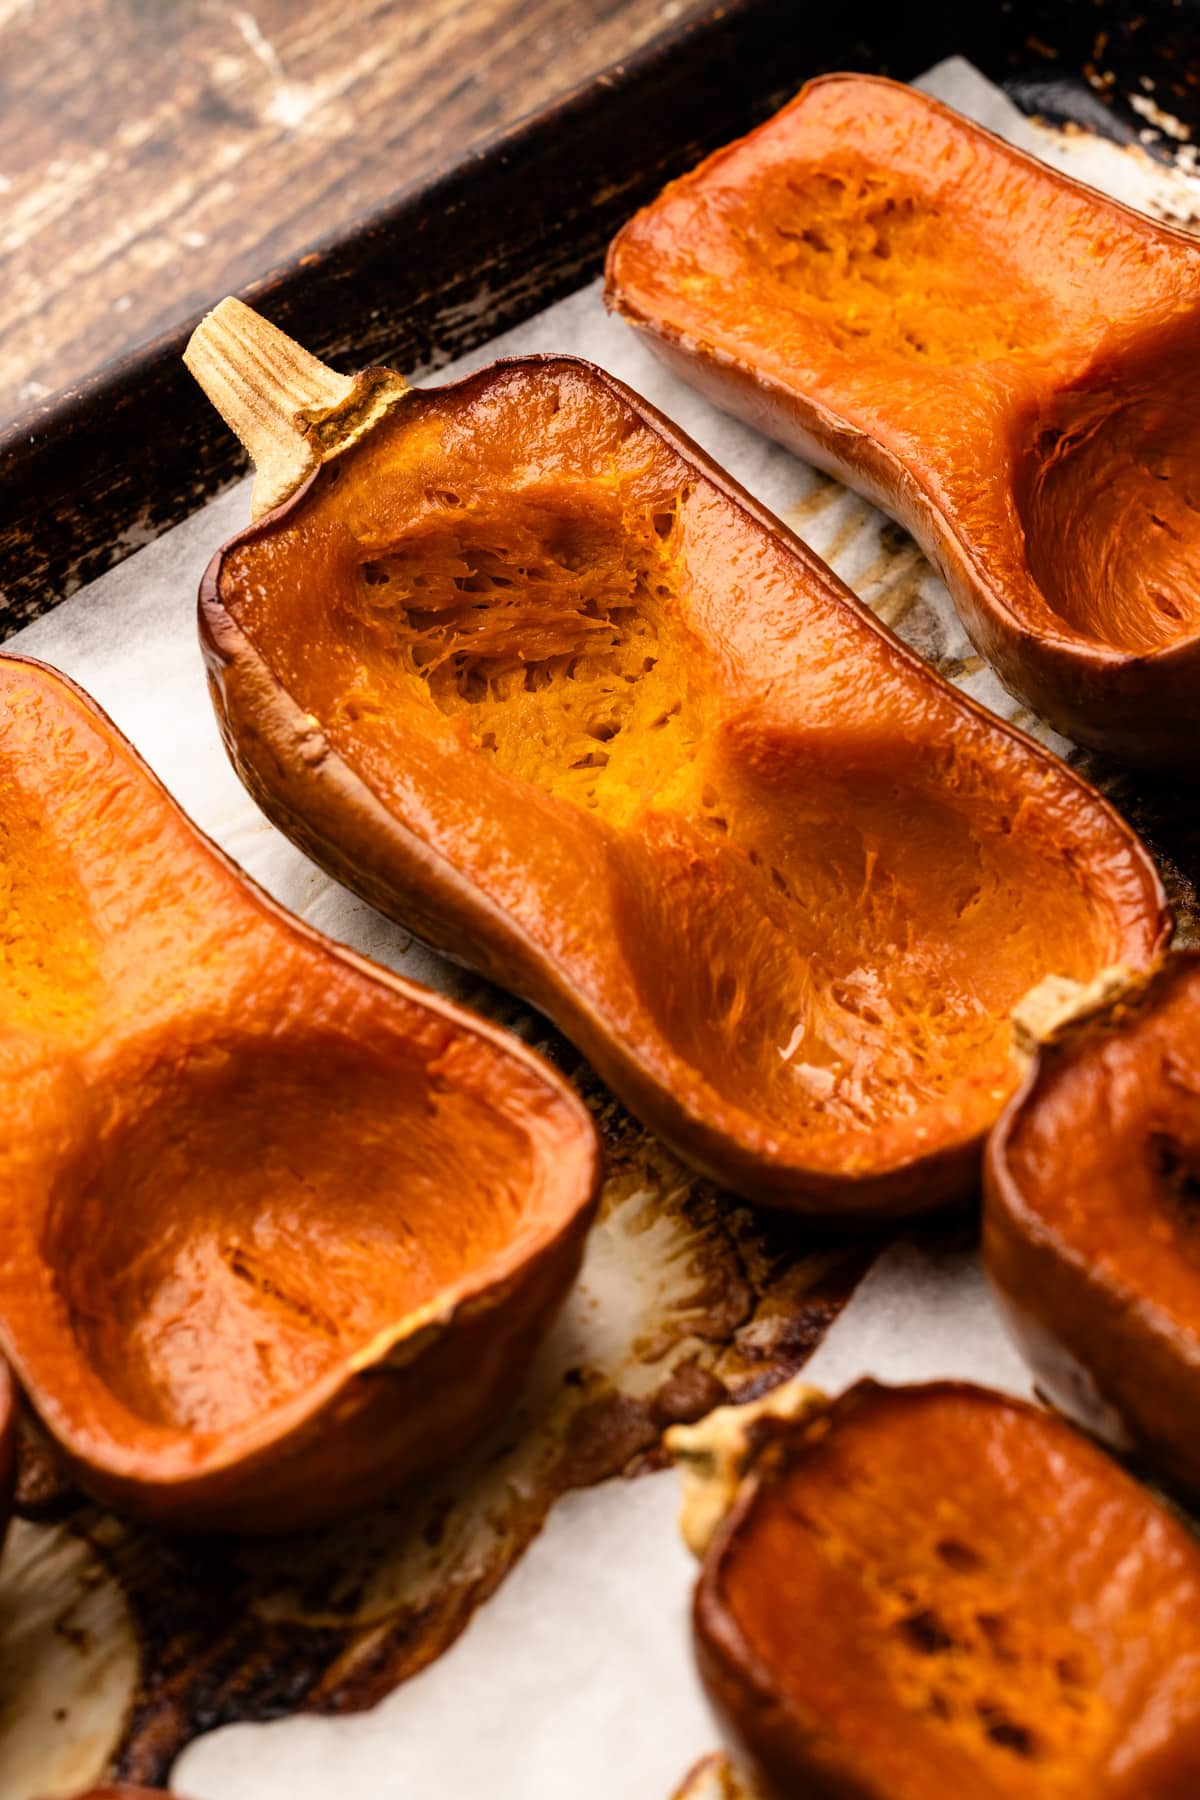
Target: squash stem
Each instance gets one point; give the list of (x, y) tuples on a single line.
[(715, 1454), (1057, 1003), (290, 410)]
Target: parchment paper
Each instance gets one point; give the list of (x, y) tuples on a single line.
[(576, 1677)]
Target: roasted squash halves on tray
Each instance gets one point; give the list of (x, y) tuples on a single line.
[(1003, 358), (280, 1230), (528, 671)]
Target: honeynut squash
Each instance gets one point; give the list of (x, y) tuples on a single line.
[(1091, 1191), (935, 1590), (519, 664), (281, 1230), (1006, 360)]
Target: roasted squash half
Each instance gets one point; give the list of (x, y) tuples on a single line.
[(1093, 1212), (280, 1229), (527, 671), (1003, 358), (937, 1591)]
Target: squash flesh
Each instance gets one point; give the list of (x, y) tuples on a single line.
[(1114, 1137), (238, 1166), (784, 864), (941, 1591), (299, 1194), (1090, 1239), (1109, 497), (874, 263), (1003, 359)]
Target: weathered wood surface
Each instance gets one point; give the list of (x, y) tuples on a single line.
[(154, 156), (432, 271)]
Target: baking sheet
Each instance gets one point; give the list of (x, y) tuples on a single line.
[(576, 1674)]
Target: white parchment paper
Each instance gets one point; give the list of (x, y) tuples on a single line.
[(576, 1677)]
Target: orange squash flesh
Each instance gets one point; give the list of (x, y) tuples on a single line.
[(281, 1230), (528, 672), (1002, 358), (1090, 1224), (937, 1591)]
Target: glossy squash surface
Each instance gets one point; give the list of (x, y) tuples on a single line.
[(938, 1591), (280, 1230), (530, 674), (1004, 359), (1090, 1224)]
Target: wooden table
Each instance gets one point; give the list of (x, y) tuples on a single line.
[(155, 154)]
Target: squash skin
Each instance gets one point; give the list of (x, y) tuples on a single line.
[(8, 1448), (1099, 360), (121, 1790), (905, 1523), (1087, 1232), (255, 1022), (404, 856)]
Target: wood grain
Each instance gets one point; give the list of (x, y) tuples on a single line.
[(154, 156), (429, 274)]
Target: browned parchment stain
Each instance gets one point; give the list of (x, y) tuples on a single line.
[(68, 1664)]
